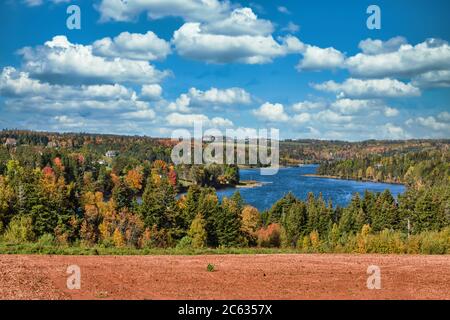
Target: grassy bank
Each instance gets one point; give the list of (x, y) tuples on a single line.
[(35, 248), (386, 242)]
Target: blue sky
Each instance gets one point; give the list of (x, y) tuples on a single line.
[(310, 68)]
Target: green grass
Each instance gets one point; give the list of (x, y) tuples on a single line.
[(33, 248)]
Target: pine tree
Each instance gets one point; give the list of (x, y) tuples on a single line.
[(229, 225), (295, 222), (158, 204)]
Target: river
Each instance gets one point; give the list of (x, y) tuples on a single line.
[(294, 180)]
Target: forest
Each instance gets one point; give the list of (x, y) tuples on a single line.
[(69, 191)]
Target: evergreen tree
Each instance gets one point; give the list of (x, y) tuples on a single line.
[(197, 232), (229, 225)]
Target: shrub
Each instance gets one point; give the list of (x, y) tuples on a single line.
[(46, 240), (210, 268), (387, 242), (184, 243), (435, 242), (19, 230)]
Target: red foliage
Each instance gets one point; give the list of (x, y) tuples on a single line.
[(48, 171), (172, 176), (58, 163)]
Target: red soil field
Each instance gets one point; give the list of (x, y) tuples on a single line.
[(236, 277)]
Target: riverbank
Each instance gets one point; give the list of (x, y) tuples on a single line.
[(350, 179), (249, 184)]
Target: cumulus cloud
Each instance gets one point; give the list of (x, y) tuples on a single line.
[(374, 47), (242, 21), (392, 131), (213, 97), (224, 97), (427, 63), (59, 60), (308, 106), (440, 123), (133, 46), (189, 10), (14, 83), (188, 120), (373, 88), (271, 112), (315, 58), (350, 106), (433, 79), (194, 42), (151, 92), (406, 61)]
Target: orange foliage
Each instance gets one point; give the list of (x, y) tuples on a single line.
[(48, 171), (172, 176), (134, 178), (270, 236)]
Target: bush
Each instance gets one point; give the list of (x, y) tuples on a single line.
[(210, 268), (20, 230), (46, 240), (435, 242), (184, 243), (387, 242)]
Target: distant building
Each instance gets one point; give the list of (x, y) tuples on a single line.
[(112, 154), (10, 142)]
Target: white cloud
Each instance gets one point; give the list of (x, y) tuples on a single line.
[(151, 92), (213, 97), (189, 10), (407, 60), (61, 61), (139, 115), (283, 9), (188, 120), (35, 3), (351, 106), (19, 84), (315, 58), (374, 47), (182, 104), (392, 131), (271, 112), (374, 88), (242, 21), (302, 118), (223, 97), (329, 116), (432, 123), (433, 79), (308, 106), (133, 46), (193, 42), (444, 116), (391, 112), (291, 28)]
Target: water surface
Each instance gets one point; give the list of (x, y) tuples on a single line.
[(294, 180)]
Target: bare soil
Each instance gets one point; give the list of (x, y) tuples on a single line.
[(235, 277)]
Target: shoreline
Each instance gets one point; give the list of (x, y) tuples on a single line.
[(350, 179)]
